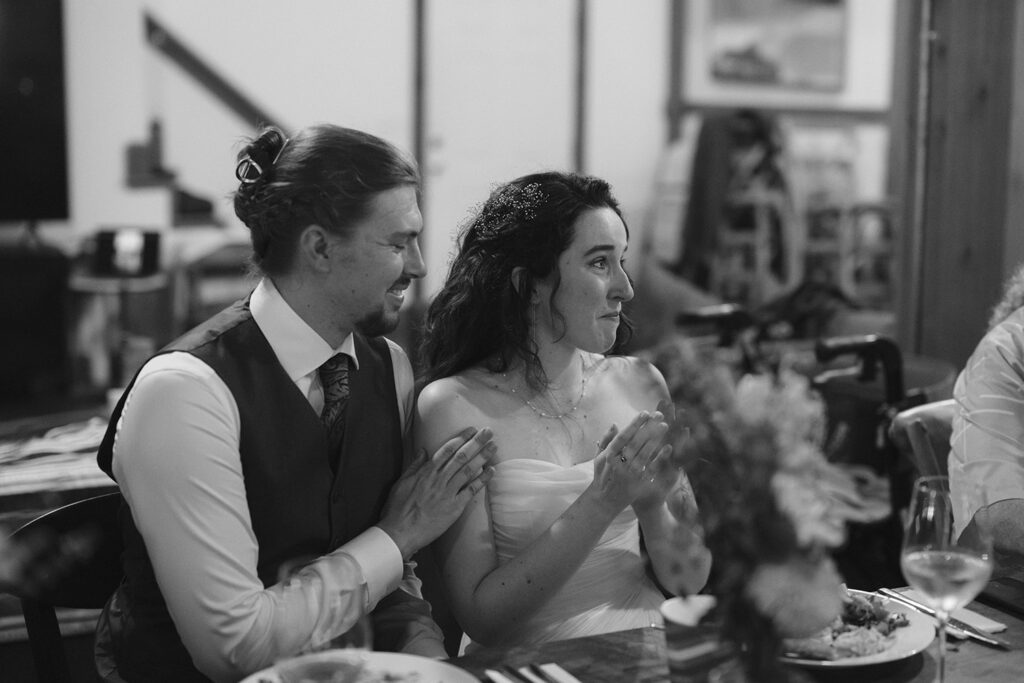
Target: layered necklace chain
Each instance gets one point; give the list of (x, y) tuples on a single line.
[(554, 416)]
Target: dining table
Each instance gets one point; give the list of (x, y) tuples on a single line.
[(639, 656)]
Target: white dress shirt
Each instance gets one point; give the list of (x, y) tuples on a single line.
[(176, 459), (987, 445)]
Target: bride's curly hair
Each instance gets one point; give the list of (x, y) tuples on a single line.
[(481, 313)]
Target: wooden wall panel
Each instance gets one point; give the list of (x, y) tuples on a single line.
[(905, 187), (966, 197), (1013, 253)]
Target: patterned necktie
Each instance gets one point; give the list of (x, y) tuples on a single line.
[(334, 378)]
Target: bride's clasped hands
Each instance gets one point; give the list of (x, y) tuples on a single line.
[(636, 467), (633, 467)]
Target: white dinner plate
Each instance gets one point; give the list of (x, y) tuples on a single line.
[(380, 666), (908, 641)]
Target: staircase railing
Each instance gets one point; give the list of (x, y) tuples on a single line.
[(163, 40)]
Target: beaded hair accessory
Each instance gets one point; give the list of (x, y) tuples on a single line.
[(512, 204)]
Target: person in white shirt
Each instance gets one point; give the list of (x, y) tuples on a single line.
[(987, 443), (279, 430)]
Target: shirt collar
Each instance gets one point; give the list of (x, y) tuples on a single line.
[(297, 345)]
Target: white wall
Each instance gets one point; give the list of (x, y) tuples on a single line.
[(104, 73), (500, 91), (627, 87), (500, 103), (305, 62)]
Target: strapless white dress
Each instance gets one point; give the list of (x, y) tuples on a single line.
[(609, 592)]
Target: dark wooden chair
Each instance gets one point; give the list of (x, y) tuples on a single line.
[(77, 564), (922, 433)]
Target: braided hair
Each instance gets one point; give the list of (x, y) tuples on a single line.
[(480, 315), (324, 175)]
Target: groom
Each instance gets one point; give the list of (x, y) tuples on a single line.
[(278, 430)]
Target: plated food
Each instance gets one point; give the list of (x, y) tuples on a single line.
[(352, 666), (867, 626)]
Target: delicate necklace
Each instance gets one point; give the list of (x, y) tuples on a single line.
[(555, 416)]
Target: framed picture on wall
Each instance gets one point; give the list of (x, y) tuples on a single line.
[(797, 44), (792, 54)]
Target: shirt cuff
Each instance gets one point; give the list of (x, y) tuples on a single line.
[(380, 561)]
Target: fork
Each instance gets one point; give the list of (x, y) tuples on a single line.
[(536, 673), (517, 675)]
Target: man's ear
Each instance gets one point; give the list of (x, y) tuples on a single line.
[(314, 247)]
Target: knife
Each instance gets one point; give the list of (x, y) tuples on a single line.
[(969, 630)]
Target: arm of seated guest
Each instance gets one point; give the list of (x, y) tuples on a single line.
[(987, 444), (1005, 521)]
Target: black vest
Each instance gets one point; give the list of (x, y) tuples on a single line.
[(298, 506)]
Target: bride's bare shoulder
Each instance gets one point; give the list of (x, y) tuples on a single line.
[(630, 371), (468, 388), (629, 367)]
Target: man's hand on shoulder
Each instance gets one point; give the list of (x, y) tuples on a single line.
[(434, 490)]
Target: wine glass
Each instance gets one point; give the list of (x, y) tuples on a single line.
[(295, 575), (947, 571)]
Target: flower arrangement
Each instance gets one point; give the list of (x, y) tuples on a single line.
[(771, 504)]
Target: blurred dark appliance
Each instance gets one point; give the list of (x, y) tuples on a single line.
[(34, 361), (33, 142)]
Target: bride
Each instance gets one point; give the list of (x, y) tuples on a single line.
[(516, 340)]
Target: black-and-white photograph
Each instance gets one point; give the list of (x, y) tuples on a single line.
[(449, 341)]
